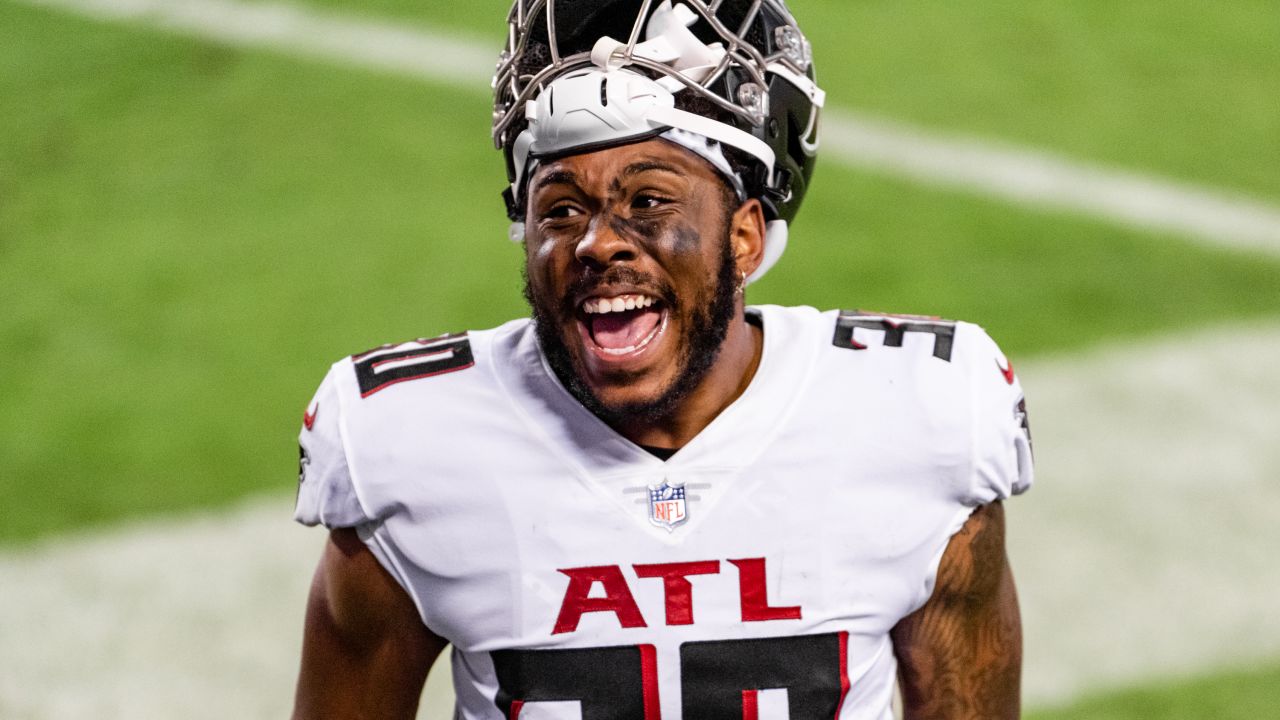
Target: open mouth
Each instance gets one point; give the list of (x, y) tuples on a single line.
[(623, 325)]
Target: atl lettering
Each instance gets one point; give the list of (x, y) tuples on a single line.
[(677, 593)]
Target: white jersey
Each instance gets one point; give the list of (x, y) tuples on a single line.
[(756, 573)]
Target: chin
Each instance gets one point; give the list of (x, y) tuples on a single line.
[(643, 387), (644, 400)]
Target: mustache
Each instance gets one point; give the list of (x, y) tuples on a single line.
[(614, 276)]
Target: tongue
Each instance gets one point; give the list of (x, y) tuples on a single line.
[(621, 330)]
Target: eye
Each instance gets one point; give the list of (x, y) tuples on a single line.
[(562, 211), (648, 201)]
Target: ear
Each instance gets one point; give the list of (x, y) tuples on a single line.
[(746, 232)]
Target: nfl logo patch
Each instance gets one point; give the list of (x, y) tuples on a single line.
[(667, 508)]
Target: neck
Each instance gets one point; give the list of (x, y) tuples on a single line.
[(734, 368)]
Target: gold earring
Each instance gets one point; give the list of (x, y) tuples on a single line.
[(742, 282)]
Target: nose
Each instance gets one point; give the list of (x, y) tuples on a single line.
[(603, 246)]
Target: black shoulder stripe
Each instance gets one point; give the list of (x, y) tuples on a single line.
[(390, 364), (895, 328)]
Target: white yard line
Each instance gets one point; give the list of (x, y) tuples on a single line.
[(438, 56), (1146, 548), (1039, 179), (1009, 173)]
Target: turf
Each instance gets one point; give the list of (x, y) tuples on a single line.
[(1178, 87), (189, 234), (1039, 283), (1240, 695)]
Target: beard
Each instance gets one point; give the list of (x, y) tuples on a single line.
[(707, 328)]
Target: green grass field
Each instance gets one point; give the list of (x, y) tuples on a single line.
[(189, 234), (1241, 695)]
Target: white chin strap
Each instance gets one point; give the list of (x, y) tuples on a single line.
[(608, 105), (775, 242)]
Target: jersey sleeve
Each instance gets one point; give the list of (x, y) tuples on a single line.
[(1002, 458), (326, 493)]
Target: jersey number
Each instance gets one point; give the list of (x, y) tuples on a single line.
[(391, 364), (895, 329), (720, 679)]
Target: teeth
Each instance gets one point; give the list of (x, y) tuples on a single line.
[(622, 303)]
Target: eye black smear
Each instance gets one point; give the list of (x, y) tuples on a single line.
[(634, 229), (687, 239)]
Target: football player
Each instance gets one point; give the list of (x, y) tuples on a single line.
[(651, 500)]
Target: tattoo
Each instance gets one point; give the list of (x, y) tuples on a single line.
[(960, 655)]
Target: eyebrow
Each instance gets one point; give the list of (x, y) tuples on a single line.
[(647, 165), (568, 177), (557, 177)]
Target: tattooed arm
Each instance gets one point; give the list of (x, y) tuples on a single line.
[(960, 655)]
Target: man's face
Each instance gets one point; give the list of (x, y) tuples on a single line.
[(630, 274)]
